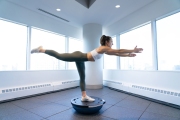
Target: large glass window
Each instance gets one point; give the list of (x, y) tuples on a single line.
[(48, 40), (74, 45), (168, 41), (110, 62), (13, 42), (142, 38)]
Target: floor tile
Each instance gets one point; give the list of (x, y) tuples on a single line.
[(135, 99), (164, 110), (70, 95), (71, 114), (134, 104), (98, 93), (57, 106), (53, 97), (49, 109), (65, 102), (59, 96), (8, 108), (122, 113), (72, 91), (111, 100), (30, 103), (24, 115), (153, 116), (104, 108), (117, 95)]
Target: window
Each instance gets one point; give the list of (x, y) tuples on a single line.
[(49, 41), (74, 45), (13, 42), (168, 41), (142, 38), (110, 62)]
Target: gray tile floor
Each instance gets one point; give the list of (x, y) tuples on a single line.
[(57, 106)]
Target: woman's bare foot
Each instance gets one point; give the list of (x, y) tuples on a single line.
[(87, 99), (37, 50)]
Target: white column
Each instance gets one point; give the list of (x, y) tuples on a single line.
[(154, 45), (92, 33)]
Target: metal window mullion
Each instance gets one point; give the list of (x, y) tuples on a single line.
[(28, 48), (66, 50), (103, 61), (154, 45), (118, 47)]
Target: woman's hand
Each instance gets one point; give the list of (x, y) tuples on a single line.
[(138, 50), (131, 55)]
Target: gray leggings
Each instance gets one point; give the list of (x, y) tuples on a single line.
[(78, 57)]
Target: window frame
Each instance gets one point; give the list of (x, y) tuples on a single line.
[(156, 47), (25, 25), (51, 32), (152, 40)]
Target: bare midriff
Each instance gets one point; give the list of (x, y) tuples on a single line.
[(90, 57)]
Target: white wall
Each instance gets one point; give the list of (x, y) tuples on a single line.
[(21, 78), (18, 79), (161, 80), (165, 80)]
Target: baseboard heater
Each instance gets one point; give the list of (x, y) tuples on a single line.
[(16, 89), (24, 97), (20, 92), (147, 98)]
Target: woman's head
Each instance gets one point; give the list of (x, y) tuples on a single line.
[(106, 41)]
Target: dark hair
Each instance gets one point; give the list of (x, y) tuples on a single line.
[(104, 39)]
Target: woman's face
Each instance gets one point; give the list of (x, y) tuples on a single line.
[(110, 43)]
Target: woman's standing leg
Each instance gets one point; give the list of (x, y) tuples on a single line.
[(81, 70)]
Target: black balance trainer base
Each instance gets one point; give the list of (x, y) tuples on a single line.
[(87, 107)]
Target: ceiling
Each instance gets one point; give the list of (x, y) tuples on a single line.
[(101, 11)]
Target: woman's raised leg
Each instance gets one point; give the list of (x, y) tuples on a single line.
[(69, 57)]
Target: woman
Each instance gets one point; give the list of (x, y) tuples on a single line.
[(80, 58)]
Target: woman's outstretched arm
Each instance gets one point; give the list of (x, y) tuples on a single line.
[(125, 54), (119, 52)]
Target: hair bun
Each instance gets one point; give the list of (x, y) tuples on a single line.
[(104, 36), (103, 39)]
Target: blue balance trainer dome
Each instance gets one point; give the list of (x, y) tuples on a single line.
[(87, 107)]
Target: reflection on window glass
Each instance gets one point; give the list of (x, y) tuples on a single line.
[(13, 42), (74, 45), (142, 38), (168, 41), (110, 61), (40, 61)]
